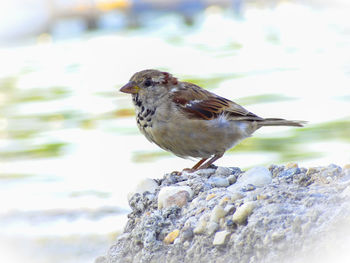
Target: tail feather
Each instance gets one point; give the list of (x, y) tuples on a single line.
[(280, 122)]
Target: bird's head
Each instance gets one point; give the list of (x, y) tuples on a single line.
[(150, 84)]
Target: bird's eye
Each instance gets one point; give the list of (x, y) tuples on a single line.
[(148, 82)]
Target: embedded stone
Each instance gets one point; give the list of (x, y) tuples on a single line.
[(169, 239), (174, 195), (243, 212), (217, 213), (221, 238)]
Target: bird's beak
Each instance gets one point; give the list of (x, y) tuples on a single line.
[(130, 87)]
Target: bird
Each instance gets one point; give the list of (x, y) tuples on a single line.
[(189, 121)]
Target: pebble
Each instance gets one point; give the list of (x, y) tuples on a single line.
[(223, 171), (292, 165), (277, 237), (288, 173), (144, 185), (230, 223), (174, 195), (186, 234), (212, 227), (200, 228), (205, 172), (217, 213), (169, 239), (232, 179), (224, 200), (218, 182), (242, 213), (248, 187), (221, 238), (210, 196), (312, 170), (257, 176), (236, 196), (261, 197), (229, 209)]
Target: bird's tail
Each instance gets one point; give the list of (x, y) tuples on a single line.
[(280, 122)]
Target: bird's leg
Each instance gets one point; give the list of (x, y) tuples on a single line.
[(211, 161), (199, 164), (194, 168)]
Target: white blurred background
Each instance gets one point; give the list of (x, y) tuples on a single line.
[(69, 147)]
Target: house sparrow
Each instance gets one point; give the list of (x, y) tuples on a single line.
[(189, 121)]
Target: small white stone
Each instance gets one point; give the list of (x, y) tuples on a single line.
[(236, 196), (232, 179), (221, 238), (242, 212), (205, 172), (218, 181), (144, 185), (223, 171), (257, 176), (200, 228), (212, 227), (169, 192), (217, 213)]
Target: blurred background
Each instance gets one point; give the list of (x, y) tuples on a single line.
[(70, 150)]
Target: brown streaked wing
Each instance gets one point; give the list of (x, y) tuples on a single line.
[(199, 103)]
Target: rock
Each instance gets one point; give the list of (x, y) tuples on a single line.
[(101, 259), (217, 213), (298, 206), (257, 176), (205, 172), (230, 223), (229, 209), (312, 170), (218, 182), (210, 196), (292, 165), (223, 171), (224, 201), (171, 236), (232, 179), (221, 238), (289, 173), (248, 187), (200, 228), (212, 227), (174, 195), (145, 185), (242, 213), (236, 196), (261, 197), (186, 234)]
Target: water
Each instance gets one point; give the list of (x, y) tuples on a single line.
[(69, 148)]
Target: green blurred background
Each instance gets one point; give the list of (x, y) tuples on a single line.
[(70, 150)]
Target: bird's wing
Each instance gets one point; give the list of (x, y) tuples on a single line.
[(198, 103)]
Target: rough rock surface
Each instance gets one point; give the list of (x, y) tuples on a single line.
[(280, 214)]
